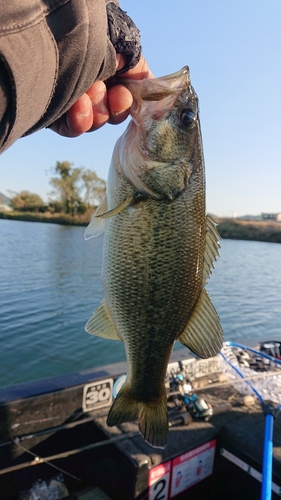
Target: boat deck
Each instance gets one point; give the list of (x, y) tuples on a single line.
[(43, 425)]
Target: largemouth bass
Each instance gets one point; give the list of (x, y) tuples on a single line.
[(159, 248)]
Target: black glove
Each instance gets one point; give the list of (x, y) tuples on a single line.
[(124, 35)]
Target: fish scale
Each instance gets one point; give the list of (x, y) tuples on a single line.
[(159, 248)]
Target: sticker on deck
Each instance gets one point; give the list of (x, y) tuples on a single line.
[(97, 395), (159, 481), (191, 467)]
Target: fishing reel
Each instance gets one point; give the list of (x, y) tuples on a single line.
[(184, 398), (198, 407), (179, 386), (178, 382), (271, 347)]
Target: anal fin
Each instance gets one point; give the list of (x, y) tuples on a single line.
[(101, 324), (203, 333)]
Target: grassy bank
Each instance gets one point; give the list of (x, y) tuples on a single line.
[(63, 219), (228, 228), (236, 229)]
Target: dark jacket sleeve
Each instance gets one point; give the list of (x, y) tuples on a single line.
[(51, 51)]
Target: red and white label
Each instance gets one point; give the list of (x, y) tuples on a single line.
[(191, 467), (171, 478)]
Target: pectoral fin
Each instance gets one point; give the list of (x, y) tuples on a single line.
[(98, 221), (97, 225), (203, 333), (126, 203), (101, 324)]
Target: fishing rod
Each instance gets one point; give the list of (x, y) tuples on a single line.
[(40, 460), (51, 430), (270, 411)]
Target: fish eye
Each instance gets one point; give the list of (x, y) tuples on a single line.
[(187, 117)]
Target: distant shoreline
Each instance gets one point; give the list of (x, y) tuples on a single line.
[(235, 229), (252, 230), (62, 219)]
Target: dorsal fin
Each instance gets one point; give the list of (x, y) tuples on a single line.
[(211, 248)]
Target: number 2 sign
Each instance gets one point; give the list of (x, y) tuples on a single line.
[(158, 482)]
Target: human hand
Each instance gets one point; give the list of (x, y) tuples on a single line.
[(101, 103)]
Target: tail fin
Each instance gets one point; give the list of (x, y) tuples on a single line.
[(153, 423), (124, 408), (152, 417)]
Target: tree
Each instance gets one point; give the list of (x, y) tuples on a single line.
[(26, 201), (77, 188), (94, 188), (67, 186)]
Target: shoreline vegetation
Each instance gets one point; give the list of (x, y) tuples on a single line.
[(236, 229), (76, 191), (252, 230), (56, 218)]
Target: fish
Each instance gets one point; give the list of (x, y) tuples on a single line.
[(159, 248)]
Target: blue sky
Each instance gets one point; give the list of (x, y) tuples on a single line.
[(233, 51)]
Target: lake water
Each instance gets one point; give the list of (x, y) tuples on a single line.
[(50, 284)]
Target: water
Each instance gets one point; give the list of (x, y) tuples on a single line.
[(50, 284)]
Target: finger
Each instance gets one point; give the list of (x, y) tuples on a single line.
[(77, 120), (119, 100), (140, 71), (98, 96), (79, 117)]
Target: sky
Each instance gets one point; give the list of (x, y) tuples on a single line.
[(233, 50)]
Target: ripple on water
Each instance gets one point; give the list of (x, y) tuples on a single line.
[(50, 285)]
